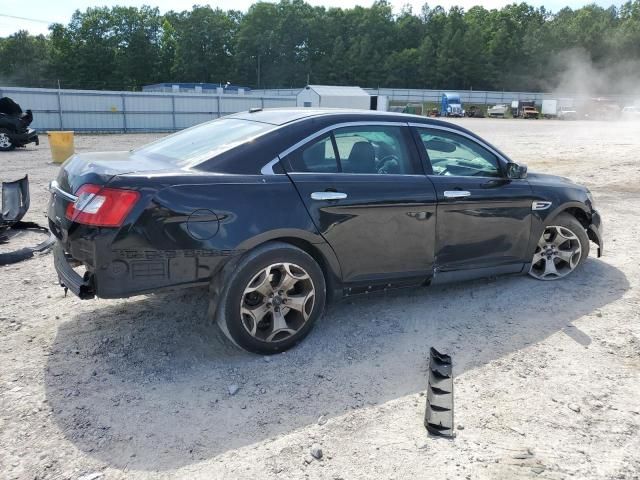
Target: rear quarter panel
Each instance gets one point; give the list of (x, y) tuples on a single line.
[(189, 226)]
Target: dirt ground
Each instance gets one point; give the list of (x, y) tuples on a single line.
[(547, 373)]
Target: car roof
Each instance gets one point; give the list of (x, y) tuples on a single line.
[(282, 116)]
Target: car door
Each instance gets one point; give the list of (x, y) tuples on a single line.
[(364, 186), (483, 217)]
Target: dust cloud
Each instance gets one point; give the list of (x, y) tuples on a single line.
[(579, 76)]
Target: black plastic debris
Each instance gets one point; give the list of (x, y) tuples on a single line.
[(15, 203), (438, 417)]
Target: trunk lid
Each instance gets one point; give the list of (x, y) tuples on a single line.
[(100, 167)]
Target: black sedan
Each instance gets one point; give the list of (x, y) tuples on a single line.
[(279, 211)]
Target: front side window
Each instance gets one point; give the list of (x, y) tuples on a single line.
[(453, 154)]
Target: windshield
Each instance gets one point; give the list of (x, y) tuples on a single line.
[(196, 144)]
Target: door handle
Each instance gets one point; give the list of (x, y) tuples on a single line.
[(328, 196), (456, 193)]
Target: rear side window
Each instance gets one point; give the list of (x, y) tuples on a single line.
[(378, 149), (317, 157), (203, 142)]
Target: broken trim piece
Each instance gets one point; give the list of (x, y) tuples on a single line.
[(15, 203), (16, 256), (438, 417)]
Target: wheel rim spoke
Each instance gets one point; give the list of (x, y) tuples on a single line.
[(299, 303), (261, 283), (279, 326), (257, 314), (289, 278), (569, 256), (550, 268), (562, 235)]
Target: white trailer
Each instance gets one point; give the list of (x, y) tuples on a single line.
[(379, 102), (325, 96), (549, 108)]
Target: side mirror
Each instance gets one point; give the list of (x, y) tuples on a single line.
[(515, 171)]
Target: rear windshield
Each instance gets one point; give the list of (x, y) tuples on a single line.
[(200, 143)]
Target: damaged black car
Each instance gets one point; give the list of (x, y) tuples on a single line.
[(279, 211), (14, 126)]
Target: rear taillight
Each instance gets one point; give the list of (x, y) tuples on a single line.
[(102, 207)]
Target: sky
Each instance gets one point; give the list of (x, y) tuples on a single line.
[(50, 11)]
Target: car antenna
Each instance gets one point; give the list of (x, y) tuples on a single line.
[(255, 109)]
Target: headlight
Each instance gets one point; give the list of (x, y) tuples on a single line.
[(590, 197)]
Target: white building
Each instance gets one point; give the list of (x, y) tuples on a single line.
[(325, 96)]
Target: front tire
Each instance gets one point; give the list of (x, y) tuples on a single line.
[(271, 298), (563, 247)]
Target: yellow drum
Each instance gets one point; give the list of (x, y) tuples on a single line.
[(61, 144)]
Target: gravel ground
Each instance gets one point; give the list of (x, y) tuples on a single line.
[(547, 373)]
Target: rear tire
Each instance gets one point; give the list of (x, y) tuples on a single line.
[(270, 299), (563, 247), (5, 142)]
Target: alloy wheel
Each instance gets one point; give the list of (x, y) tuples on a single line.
[(277, 302), (557, 254), (5, 141)]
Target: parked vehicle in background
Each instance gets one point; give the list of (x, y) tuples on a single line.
[(518, 106), (279, 210), (14, 126), (413, 109), (474, 111), (497, 111), (549, 108), (451, 105), (529, 112), (558, 108), (567, 113), (601, 109), (515, 112), (631, 113)]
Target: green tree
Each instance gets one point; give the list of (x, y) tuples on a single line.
[(203, 45), (24, 59), (136, 36)]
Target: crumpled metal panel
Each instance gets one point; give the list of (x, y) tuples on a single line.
[(15, 201)]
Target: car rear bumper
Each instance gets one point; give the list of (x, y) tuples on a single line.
[(81, 286), (120, 273)]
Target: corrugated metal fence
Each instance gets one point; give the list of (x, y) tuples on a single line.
[(107, 111), (479, 97)]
